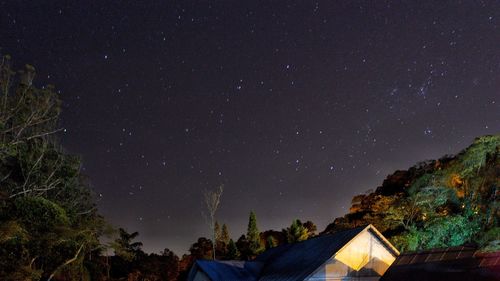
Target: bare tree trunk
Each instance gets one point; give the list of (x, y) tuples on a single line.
[(212, 201), (108, 268), (66, 262)]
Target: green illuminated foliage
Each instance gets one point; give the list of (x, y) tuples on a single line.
[(490, 241), (296, 232), (475, 156), (253, 235), (48, 220), (451, 204)]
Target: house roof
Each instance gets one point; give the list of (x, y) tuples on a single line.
[(229, 270), (297, 261), (289, 262), (456, 263)]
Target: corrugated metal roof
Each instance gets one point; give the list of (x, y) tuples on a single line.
[(289, 262), (230, 270), (294, 262), (456, 263)]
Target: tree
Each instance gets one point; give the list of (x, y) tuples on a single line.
[(222, 241), (311, 228), (253, 235), (202, 249), (433, 217), (225, 235), (444, 202), (232, 251), (172, 266), (243, 245), (490, 241), (124, 247), (43, 193), (27, 113), (296, 232), (273, 238), (212, 201), (217, 231), (271, 242), (167, 253)]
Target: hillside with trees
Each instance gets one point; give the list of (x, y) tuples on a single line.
[(437, 203)]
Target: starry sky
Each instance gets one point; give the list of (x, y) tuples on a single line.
[(294, 106)]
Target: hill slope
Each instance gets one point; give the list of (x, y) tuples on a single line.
[(436, 203)]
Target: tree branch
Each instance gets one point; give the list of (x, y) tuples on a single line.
[(66, 262)]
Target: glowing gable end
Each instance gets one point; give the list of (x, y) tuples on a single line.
[(366, 257)]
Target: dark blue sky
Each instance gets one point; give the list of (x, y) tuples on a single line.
[(294, 107)]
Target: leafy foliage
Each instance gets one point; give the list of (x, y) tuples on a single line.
[(438, 203), (296, 232), (475, 157), (124, 247), (202, 249), (490, 241), (49, 222), (131, 263)]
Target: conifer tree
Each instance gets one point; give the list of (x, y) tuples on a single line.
[(224, 237), (221, 239), (217, 231), (253, 235), (232, 250)]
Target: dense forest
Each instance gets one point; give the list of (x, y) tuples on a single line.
[(50, 228)]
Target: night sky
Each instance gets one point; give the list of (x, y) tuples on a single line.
[(295, 108)]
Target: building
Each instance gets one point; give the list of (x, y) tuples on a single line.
[(358, 254)]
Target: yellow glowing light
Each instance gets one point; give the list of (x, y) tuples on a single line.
[(366, 251)]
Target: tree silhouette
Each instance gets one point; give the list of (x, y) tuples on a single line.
[(212, 201)]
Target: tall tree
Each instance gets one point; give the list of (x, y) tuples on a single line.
[(27, 113), (45, 199), (253, 234), (212, 202), (224, 238), (125, 247)]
